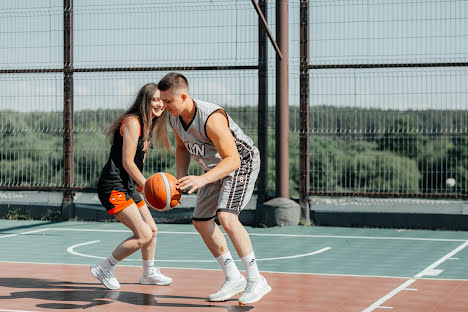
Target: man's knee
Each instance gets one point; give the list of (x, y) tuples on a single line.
[(200, 225), (228, 220)]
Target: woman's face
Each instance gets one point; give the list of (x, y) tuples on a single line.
[(157, 107)]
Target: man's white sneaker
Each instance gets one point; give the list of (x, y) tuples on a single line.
[(255, 290), (106, 277), (229, 289), (155, 278)]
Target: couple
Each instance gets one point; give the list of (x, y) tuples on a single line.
[(207, 133)]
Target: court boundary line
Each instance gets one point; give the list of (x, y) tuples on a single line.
[(272, 272), (410, 281), (71, 250), (253, 234)]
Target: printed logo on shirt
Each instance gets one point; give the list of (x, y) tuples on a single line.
[(195, 149)]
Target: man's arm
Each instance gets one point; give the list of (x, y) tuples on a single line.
[(218, 132)]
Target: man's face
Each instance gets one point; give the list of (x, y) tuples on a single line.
[(173, 101)]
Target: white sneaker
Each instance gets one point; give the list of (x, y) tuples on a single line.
[(255, 290), (106, 277), (155, 278), (229, 289)]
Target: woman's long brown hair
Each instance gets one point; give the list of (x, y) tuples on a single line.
[(141, 108)]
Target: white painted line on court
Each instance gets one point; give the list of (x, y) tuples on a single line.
[(442, 260), (24, 233), (364, 237), (382, 307), (8, 235), (296, 256), (424, 272), (454, 258), (377, 304), (433, 272), (71, 250), (282, 235), (35, 231)]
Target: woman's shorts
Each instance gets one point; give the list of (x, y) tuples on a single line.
[(117, 198)]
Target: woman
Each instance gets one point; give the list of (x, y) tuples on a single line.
[(122, 179)]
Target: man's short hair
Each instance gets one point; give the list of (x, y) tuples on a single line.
[(173, 81)]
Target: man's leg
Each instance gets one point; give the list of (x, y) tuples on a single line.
[(257, 286), (216, 243)]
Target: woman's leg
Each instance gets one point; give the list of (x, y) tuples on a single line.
[(147, 250), (142, 233), (132, 218), (151, 275)]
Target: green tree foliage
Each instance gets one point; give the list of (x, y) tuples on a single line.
[(365, 150)]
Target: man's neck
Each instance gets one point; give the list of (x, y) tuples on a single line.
[(189, 111)]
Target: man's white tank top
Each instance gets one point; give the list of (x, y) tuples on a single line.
[(200, 146)]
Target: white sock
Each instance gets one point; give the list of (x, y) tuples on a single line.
[(148, 267), (109, 263), (229, 267), (250, 265)]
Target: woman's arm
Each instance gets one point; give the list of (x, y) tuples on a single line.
[(131, 133), (182, 158)]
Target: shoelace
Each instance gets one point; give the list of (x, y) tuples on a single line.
[(154, 271), (107, 275), (249, 286)]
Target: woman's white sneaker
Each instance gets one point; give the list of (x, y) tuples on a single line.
[(106, 277), (255, 290), (155, 278), (229, 289)]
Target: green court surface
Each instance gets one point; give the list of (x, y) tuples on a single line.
[(296, 249)]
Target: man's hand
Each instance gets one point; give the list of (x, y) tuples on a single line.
[(195, 182)]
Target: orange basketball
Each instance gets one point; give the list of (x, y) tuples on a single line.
[(160, 191)]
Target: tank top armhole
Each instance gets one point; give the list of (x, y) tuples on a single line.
[(217, 110), (123, 124)]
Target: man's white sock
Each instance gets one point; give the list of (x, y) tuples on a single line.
[(229, 267), (250, 265)]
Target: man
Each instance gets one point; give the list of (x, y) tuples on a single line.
[(207, 133)]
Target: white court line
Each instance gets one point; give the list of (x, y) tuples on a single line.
[(24, 233), (412, 280), (280, 235), (71, 250), (9, 235)]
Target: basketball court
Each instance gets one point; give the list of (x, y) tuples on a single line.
[(44, 266)]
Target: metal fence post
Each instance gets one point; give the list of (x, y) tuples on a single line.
[(262, 106), (282, 103), (304, 163), (67, 202)]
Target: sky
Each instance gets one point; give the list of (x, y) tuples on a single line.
[(114, 33)]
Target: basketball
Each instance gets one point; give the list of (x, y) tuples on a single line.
[(160, 191)]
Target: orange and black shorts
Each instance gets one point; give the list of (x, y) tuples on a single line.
[(118, 198)]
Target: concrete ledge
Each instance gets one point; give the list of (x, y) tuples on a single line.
[(390, 212), (33, 198), (389, 205)]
